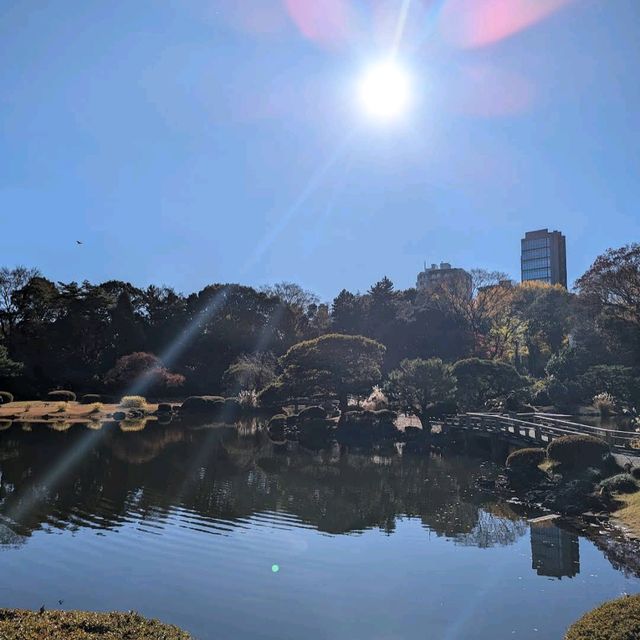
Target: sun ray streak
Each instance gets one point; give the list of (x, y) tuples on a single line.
[(314, 182), (40, 488), (400, 27)]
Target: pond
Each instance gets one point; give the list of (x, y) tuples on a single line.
[(222, 532)]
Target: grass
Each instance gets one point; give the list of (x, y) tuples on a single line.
[(16, 624), (615, 620), (629, 514)]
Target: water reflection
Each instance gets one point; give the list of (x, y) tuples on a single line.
[(82, 476), (555, 552), (232, 472)]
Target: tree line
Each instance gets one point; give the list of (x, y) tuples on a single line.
[(228, 338)]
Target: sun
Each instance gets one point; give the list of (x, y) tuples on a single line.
[(384, 91)]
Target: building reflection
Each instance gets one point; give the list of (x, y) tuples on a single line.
[(555, 552)]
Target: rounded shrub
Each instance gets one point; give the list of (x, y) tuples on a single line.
[(133, 402), (202, 404), (615, 620), (60, 395), (276, 427), (164, 407), (526, 459), (5, 397), (620, 483), (312, 413), (578, 451), (386, 416), (90, 398), (279, 420)]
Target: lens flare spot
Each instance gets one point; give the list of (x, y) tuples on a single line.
[(275, 568), (385, 90)]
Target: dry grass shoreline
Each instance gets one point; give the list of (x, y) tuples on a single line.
[(56, 411), (19, 624)]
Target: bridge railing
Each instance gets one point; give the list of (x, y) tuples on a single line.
[(541, 428)]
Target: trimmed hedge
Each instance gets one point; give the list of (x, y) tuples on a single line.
[(83, 625), (60, 395), (91, 398), (615, 620), (526, 459), (202, 404), (276, 427), (164, 407), (279, 420), (578, 451), (5, 397), (620, 483)]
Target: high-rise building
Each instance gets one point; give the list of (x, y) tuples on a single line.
[(544, 257), (444, 276), (554, 551)]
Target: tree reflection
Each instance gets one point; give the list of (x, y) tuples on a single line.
[(222, 472)]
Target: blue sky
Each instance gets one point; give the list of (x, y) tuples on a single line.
[(188, 141)]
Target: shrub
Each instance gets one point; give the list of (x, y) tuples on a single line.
[(615, 620), (133, 402), (202, 404), (578, 450), (248, 399), (620, 483), (526, 459), (277, 426), (566, 394), (312, 413), (272, 396), (635, 472), (376, 401), (540, 395), (90, 398), (604, 403), (386, 416), (61, 395), (5, 397)]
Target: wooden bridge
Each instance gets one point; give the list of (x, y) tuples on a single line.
[(538, 429)]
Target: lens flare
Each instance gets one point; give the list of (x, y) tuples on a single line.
[(385, 90)]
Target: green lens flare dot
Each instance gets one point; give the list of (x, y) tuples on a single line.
[(275, 568)]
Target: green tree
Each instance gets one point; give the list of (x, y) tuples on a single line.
[(417, 386), (482, 380), (333, 364), (8, 368), (250, 371)]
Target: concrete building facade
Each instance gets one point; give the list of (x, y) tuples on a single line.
[(444, 276)]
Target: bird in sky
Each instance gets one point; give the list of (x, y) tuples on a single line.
[(78, 241)]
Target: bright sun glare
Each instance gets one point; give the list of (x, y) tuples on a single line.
[(385, 91)]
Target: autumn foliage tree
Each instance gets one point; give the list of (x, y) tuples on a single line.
[(144, 370)]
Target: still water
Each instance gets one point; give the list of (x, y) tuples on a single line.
[(222, 532)]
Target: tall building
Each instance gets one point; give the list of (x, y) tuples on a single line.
[(554, 552), (444, 276), (544, 257)]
